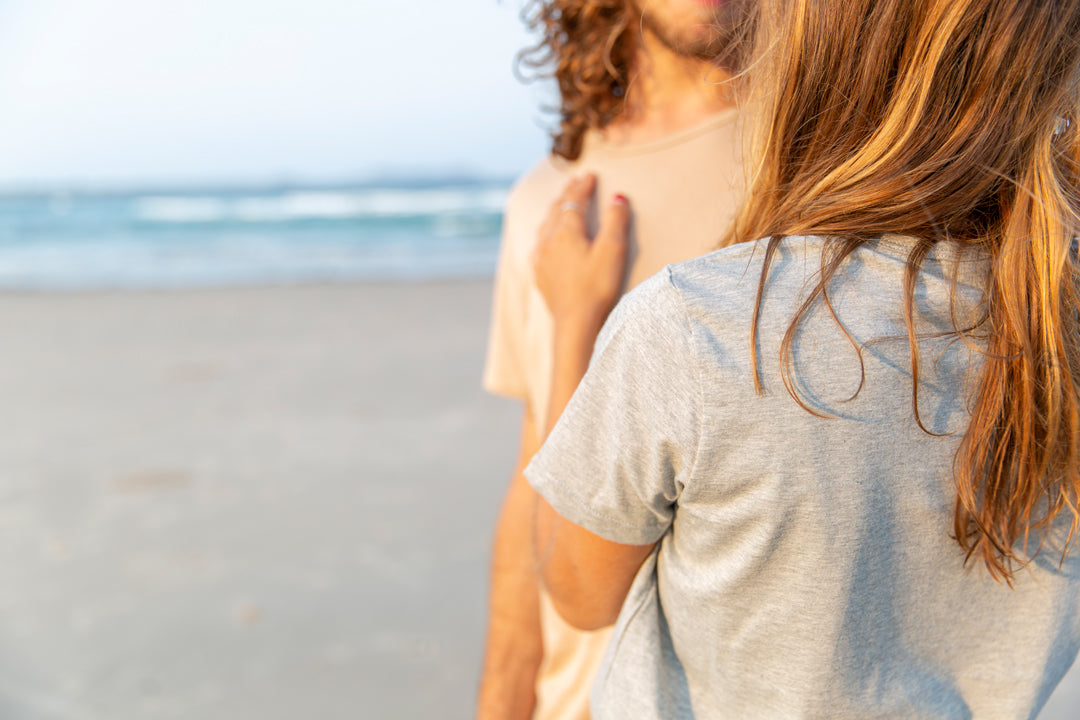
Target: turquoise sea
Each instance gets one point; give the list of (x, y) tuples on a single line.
[(400, 230)]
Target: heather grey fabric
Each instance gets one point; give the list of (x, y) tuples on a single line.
[(805, 567)]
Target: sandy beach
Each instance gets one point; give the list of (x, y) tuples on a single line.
[(253, 503)]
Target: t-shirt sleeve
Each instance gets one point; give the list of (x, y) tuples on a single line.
[(620, 454), (504, 369)]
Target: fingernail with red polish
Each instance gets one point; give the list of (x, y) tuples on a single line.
[(621, 199)]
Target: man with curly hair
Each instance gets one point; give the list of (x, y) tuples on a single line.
[(646, 111)]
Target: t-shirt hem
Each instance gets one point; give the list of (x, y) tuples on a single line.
[(576, 509), (504, 388)]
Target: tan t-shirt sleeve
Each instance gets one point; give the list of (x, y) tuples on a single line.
[(505, 371)]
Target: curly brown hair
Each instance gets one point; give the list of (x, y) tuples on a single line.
[(587, 47)]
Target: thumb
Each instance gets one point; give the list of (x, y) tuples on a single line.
[(611, 237)]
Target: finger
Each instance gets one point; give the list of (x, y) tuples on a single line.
[(571, 227), (611, 238), (558, 207), (569, 192), (553, 218), (577, 192), (564, 194), (580, 190), (573, 204)]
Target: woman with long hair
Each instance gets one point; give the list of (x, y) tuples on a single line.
[(833, 470)]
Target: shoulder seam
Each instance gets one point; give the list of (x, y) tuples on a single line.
[(692, 470)]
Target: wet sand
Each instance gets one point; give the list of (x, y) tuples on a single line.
[(256, 503)]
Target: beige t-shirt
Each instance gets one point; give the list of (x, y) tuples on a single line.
[(683, 191)]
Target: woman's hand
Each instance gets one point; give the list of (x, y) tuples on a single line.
[(581, 279)]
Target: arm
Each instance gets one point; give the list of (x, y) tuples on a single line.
[(581, 288), (586, 576), (514, 648)]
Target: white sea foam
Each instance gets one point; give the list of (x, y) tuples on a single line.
[(181, 209), (209, 238), (326, 205)]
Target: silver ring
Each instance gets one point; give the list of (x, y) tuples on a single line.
[(568, 206)]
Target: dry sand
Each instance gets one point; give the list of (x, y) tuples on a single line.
[(264, 503), (250, 504)]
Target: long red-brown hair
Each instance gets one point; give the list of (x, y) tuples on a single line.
[(945, 120)]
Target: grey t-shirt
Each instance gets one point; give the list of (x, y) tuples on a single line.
[(805, 567)]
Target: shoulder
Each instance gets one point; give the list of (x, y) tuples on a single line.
[(723, 285), (724, 278), (533, 191), (652, 309), (731, 268), (527, 203), (719, 290)]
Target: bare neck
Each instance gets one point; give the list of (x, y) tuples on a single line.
[(668, 93)]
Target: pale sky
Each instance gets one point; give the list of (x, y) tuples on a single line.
[(124, 91)]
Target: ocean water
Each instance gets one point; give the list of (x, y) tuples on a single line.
[(413, 230)]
